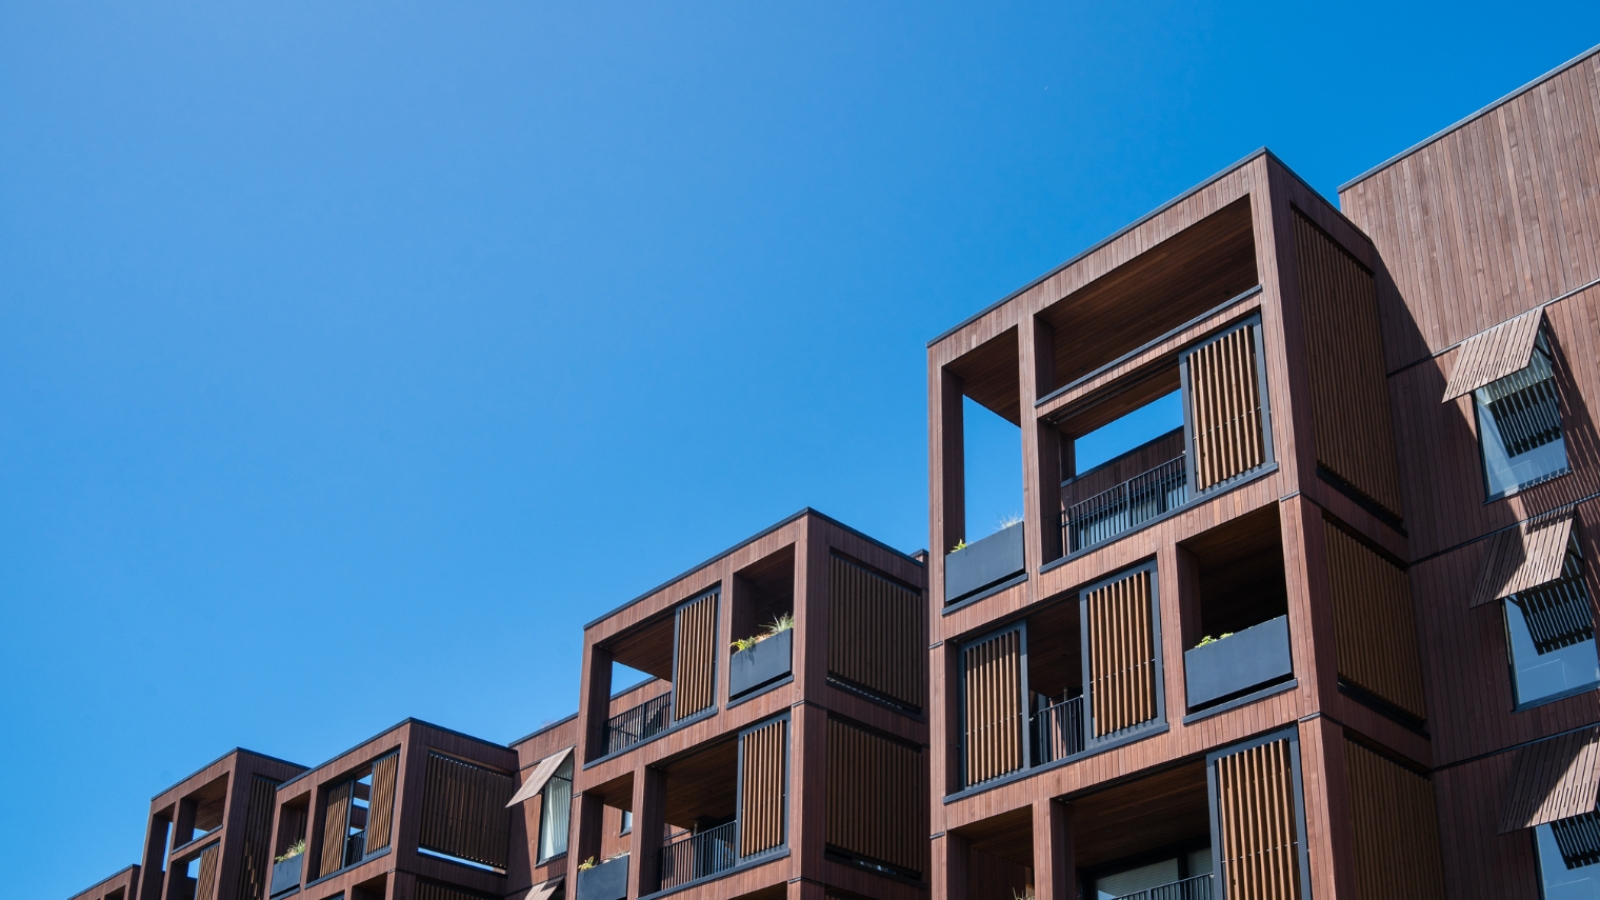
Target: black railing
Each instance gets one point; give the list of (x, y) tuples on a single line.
[(1139, 499), (355, 847), (1058, 731), (691, 856), (641, 723), (1196, 888)]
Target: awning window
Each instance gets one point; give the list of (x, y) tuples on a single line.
[(545, 891), (1554, 780), (540, 776), (1520, 559), (1491, 355)]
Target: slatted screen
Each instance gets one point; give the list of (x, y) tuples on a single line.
[(463, 811), (1225, 408), (992, 672), (335, 821), (762, 787), (1374, 627), (877, 798), (1122, 654), (877, 633), (205, 884), (380, 816), (1349, 394), (694, 672), (1255, 806), (432, 890), (255, 861), (1396, 829)]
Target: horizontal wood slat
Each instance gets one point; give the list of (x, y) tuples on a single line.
[(255, 859), (380, 815), (877, 633), (1524, 557), (694, 673), (463, 811), (1122, 654), (1553, 779), (1374, 623), (763, 786), (993, 683), (1225, 408), (1395, 829), (877, 798), (335, 820), (1491, 355), (1260, 843)]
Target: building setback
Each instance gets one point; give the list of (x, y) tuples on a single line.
[(1325, 628)]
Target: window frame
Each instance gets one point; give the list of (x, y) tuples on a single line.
[(1541, 344)]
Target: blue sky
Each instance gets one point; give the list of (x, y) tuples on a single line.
[(387, 343)]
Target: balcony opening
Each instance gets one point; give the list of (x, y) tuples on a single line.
[(289, 847), (1055, 682), (700, 815), (200, 813), (763, 623), (1235, 600), (680, 649), (1123, 460), (1148, 839), (1000, 856)]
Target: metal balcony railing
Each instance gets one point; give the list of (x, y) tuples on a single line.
[(1196, 888), (691, 856), (1058, 731), (641, 723), (355, 847), (1139, 499)]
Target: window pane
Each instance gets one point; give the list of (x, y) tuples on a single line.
[(1519, 427), (1558, 670), (1560, 882), (555, 812)]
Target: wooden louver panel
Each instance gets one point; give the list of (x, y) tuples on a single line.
[(1349, 394), (205, 885), (694, 675), (1374, 625), (432, 890), (877, 798), (335, 821), (1491, 355), (1225, 408), (993, 673), (877, 633), (1122, 654), (1255, 806), (463, 811), (380, 817), (1524, 557), (1553, 779), (763, 784), (1396, 829), (255, 863)]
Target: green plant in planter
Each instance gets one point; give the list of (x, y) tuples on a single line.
[(586, 865), (960, 545), (295, 849), (1208, 639), (777, 626)]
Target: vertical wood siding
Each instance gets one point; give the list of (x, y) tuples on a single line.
[(463, 811), (380, 817), (763, 785), (205, 885), (1122, 654), (694, 676), (1374, 625), (1225, 405), (877, 633), (1349, 394), (1395, 825), (1255, 804), (432, 890), (877, 797), (255, 863), (993, 671), (336, 814)]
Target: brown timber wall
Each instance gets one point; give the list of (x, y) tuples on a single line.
[(694, 677), (463, 811), (1255, 797), (1122, 654), (1225, 405), (1375, 632), (877, 633), (993, 670), (1395, 827), (255, 861), (763, 786), (877, 797)]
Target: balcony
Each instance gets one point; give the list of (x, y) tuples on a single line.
[(689, 857), (1125, 506), (1197, 888), (640, 724), (1058, 731)]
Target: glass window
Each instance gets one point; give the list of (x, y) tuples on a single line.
[(1569, 858), (627, 821), (1519, 426), (1550, 630), (555, 812)]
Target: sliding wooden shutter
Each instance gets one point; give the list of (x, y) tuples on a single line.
[(993, 680), (1225, 408), (1396, 829), (464, 811), (694, 670), (1255, 806), (762, 786), (380, 818), (255, 863), (1122, 653), (205, 885), (877, 798), (1374, 626), (877, 633), (335, 821)]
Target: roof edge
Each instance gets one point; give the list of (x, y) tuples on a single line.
[(409, 720), (220, 759)]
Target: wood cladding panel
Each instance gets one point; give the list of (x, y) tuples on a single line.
[(1489, 356), (205, 885), (463, 811), (380, 815), (1374, 623), (877, 803), (433, 890), (1255, 806), (763, 786), (335, 819), (1122, 654), (993, 720), (1395, 827), (877, 633), (255, 859), (1344, 352), (1225, 408), (1553, 779), (694, 676), (1524, 557)]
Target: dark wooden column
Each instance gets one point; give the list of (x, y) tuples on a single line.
[(952, 858), (644, 844), (1055, 868), (1041, 447)]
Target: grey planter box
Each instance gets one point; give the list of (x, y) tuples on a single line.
[(983, 564), (765, 662), (286, 874), (607, 881), (1256, 656)]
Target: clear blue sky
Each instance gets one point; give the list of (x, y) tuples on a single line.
[(369, 349)]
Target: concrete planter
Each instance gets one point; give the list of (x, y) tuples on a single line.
[(607, 881), (765, 662), (984, 564), (1255, 657), (286, 874)]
